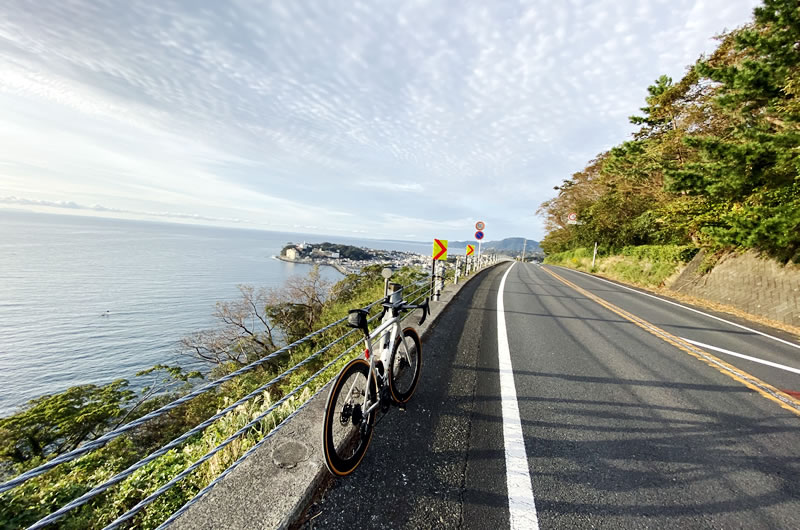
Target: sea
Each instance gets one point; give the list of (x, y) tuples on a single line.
[(87, 300)]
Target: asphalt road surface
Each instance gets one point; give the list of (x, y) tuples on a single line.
[(613, 420)]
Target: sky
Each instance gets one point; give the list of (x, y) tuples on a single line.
[(406, 119)]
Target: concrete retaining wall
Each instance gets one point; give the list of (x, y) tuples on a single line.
[(746, 281)]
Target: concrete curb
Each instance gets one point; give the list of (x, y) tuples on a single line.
[(274, 486)]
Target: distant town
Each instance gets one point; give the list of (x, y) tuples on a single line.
[(348, 259)]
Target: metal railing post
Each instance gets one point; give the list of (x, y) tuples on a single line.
[(439, 282)]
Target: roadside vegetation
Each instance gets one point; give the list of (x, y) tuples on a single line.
[(258, 323), (715, 163), (646, 265)]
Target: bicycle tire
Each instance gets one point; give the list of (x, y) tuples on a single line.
[(343, 455), (403, 383)]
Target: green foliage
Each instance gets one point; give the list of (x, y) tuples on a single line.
[(661, 253), (710, 259), (648, 265), (40, 496), (56, 423), (767, 219), (575, 258), (656, 115), (168, 376), (717, 158), (347, 251)]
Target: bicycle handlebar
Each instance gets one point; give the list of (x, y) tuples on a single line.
[(425, 306), (426, 310), (403, 306)]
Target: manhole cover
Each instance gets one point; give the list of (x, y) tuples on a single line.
[(288, 454)]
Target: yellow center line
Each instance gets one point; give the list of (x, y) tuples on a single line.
[(768, 391)]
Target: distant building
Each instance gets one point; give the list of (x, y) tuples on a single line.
[(291, 253), (334, 255)]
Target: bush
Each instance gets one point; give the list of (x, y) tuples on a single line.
[(648, 265)]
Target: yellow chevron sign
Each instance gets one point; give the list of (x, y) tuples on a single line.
[(470, 250), (440, 249)]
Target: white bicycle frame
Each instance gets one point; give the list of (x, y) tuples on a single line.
[(388, 332)]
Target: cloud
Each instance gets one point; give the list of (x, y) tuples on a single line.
[(22, 201), (302, 113), (388, 185)]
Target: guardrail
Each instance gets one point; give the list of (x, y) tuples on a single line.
[(463, 268), (415, 293)]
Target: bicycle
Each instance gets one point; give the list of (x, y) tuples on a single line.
[(377, 381)]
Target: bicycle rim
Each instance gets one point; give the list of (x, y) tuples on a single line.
[(406, 364), (345, 437)]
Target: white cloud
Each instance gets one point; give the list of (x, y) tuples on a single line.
[(391, 186), (71, 205), (304, 114)]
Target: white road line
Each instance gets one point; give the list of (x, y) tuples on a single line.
[(743, 356), (792, 344), (521, 507)]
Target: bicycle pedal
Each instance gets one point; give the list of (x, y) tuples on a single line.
[(402, 407)]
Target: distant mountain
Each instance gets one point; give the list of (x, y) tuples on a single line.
[(509, 244)]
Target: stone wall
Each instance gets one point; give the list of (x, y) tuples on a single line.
[(749, 282)]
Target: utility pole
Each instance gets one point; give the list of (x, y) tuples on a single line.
[(524, 246)]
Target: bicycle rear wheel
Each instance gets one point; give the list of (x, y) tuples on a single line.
[(346, 432), (405, 365)]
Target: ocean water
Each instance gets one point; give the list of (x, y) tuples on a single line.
[(89, 300)]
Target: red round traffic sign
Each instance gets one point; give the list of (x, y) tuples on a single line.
[(480, 225), (478, 235)]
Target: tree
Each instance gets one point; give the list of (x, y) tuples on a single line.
[(261, 321), (716, 160), (58, 423), (656, 115), (295, 308), (245, 333), (753, 165)]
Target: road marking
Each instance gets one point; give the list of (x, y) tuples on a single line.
[(743, 356), (768, 391), (521, 506), (792, 344)]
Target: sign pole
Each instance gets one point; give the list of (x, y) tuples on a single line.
[(433, 275), (479, 227)]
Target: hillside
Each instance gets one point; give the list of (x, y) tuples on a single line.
[(715, 160), (507, 245)]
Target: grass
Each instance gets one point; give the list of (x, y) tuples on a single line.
[(645, 265)]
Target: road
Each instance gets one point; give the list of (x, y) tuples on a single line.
[(620, 423)]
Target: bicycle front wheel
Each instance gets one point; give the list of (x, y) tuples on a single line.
[(346, 432), (405, 364)]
